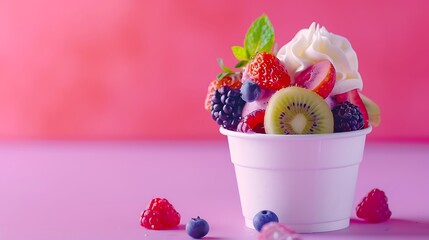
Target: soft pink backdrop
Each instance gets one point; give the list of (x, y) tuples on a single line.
[(121, 69)]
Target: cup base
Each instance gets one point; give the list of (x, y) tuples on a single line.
[(311, 228)]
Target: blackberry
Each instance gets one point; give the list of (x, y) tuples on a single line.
[(227, 106), (347, 117)]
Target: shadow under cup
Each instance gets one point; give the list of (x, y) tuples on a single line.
[(307, 180)]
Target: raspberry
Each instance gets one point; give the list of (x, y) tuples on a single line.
[(253, 122), (227, 107), (347, 117), (373, 207), (277, 231), (267, 71), (160, 214)]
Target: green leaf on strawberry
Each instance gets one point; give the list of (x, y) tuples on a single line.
[(225, 70)]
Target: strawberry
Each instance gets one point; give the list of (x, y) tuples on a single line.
[(160, 214), (320, 78), (232, 81), (210, 92), (252, 122), (373, 207), (267, 71), (353, 97)]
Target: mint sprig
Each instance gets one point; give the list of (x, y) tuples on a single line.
[(226, 70), (259, 38)]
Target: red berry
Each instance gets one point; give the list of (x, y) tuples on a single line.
[(267, 71), (210, 92), (320, 78), (275, 230), (252, 122), (232, 81), (160, 214), (373, 207), (353, 97)]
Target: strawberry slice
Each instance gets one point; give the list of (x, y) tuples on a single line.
[(319, 78), (353, 97)]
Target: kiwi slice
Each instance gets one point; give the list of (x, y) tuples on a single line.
[(296, 110)]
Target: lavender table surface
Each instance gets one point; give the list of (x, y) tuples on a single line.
[(97, 190)]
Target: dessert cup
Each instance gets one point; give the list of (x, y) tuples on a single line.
[(307, 180)]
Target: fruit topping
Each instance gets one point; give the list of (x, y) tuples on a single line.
[(263, 83), (320, 78), (250, 91), (259, 38), (263, 217), (210, 92), (253, 122), (227, 107), (260, 103), (373, 207), (331, 102), (160, 214), (267, 71), (232, 81), (373, 110), (354, 98), (277, 231), (347, 117), (197, 227), (296, 110)]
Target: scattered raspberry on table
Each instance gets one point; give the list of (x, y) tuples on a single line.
[(160, 214), (373, 207)]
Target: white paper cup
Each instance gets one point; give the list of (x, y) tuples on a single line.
[(307, 180)]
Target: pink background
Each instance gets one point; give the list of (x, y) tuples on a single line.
[(123, 69)]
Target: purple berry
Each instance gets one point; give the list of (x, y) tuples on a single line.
[(263, 217), (347, 117), (250, 91), (197, 227), (227, 107)]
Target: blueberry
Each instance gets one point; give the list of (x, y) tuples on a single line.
[(250, 91), (197, 227), (263, 217)]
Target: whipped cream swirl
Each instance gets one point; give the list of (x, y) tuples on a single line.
[(315, 44)]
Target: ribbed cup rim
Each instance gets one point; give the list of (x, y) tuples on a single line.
[(356, 133)]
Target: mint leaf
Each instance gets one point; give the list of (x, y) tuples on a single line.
[(260, 36), (221, 75), (241, 64), (240, 53), (224, 68)]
